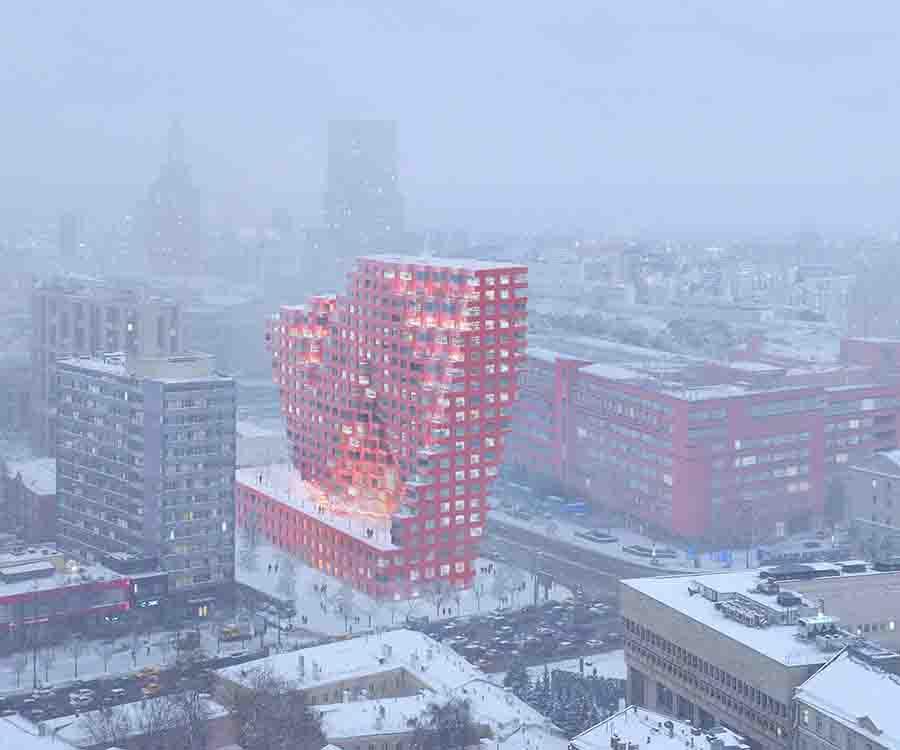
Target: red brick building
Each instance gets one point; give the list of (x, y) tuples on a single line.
[(39, 593), (730, 452), (397, 398)]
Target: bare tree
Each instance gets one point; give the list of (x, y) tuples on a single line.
[(393, 606), (165, 646), (47, 659), (344, 601), (135, 642), (501, 585), (457, 595), (478, 592), (271, 713), (437, 593), (109, 726), (287, 579), (105, 651), (75, 648), (412, 604), (20, 664)]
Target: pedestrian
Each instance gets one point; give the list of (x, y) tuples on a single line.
[(276, 567), (270, 568)]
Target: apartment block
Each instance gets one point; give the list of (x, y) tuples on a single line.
[(398, 397), (732, 452), (145, 466), (75, 317)]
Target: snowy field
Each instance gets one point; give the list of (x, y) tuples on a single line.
[(332, 607)]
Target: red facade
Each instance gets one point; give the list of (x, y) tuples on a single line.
[(712, 452), (397, 398)]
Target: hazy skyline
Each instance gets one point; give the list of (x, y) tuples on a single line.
[(511, 116)]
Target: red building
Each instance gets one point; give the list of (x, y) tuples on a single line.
[(732, 452), (40, 595), (397, 398)]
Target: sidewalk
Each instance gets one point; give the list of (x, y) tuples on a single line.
[(683, 561), (323, 599)]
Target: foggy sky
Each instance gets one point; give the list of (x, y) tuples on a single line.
[(512, 115)]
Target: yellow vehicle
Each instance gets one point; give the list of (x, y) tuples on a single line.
[(230, 632)]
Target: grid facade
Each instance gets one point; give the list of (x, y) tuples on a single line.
[(145, 465), (397, 398)]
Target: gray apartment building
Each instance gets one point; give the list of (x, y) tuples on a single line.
[(145, 465), (731, 648), (73, 317)]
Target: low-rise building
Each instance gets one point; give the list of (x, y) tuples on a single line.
[(30, 494), (730, 648), (370, 691), (636, 728), (42, 594), (849, 704)]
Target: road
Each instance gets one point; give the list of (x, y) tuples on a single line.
[(597, 574), (55, 702)]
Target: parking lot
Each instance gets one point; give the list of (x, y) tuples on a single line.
[(533, 635)]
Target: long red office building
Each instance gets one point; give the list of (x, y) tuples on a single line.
[(397, 397), (721, 451)]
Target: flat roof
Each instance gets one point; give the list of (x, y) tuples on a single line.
[(86, 574), (283, 483), (777, 642), (466, 264), (74, 728), (613, 372), (858, 695), (648, 729), (38, 474)]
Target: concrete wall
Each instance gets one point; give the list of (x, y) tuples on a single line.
[(706, 671)]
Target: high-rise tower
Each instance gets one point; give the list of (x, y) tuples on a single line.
[(397, 399), (363, 204), (170, 213)]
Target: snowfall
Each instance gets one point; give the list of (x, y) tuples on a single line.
[(341, 610)]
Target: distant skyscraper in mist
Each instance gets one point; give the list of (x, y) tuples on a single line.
[(363, 205), (170, 213), (69, 235)]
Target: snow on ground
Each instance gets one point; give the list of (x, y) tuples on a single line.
[(340, 609), (609, 664), (155, 651), (558, 528)]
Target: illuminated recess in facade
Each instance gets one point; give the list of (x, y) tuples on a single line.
[(397, 398)]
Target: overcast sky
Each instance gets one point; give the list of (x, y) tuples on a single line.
[(512, 115)]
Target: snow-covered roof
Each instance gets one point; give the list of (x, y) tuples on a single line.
[(544, 355), (648, 729), (38, 474), (858, 695), (445, 674), (73, 729), (613, 372), (778, 642), (751, 366), (708, 392), (283, 483), (248, 429), (19, 733), (467, 264), (87, 574)]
